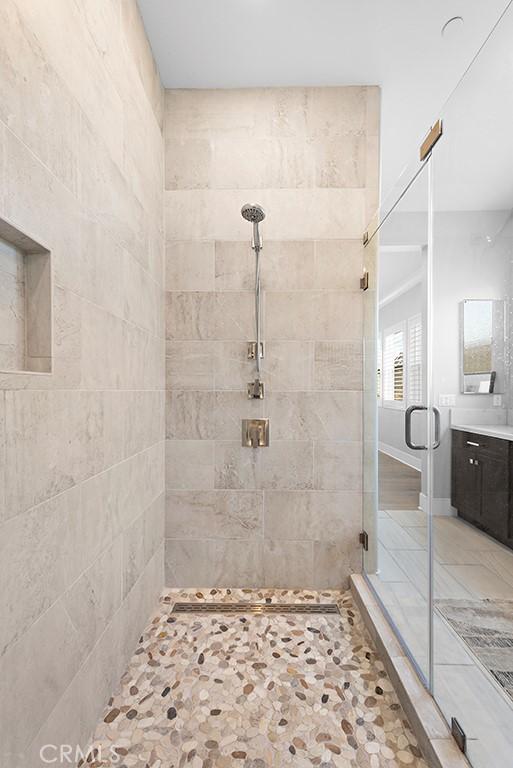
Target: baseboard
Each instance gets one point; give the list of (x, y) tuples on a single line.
[(402, 456), (439, 507)]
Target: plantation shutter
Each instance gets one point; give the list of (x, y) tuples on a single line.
[(415, 360), (393, 367)]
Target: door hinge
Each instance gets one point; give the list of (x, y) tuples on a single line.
[(364, 540), (458, 734), (365, 238), (364, 280), (435, 133)]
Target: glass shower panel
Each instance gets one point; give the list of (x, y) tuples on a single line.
[(472, 486), (396, 514)]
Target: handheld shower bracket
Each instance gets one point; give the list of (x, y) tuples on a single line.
[(252, 350)]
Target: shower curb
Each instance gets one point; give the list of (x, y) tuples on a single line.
[(428, 724)]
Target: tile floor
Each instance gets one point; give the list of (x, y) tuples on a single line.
[(206, 690)]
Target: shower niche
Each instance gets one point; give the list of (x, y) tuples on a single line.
[(25, 303)]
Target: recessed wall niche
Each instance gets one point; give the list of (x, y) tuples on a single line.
[(25, 303)]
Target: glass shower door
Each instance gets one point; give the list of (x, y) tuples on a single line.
[(472, 471), (396, 428)]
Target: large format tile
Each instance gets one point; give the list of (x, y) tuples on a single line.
[(190, 266), (312, 515), (38, 424), (283, 465), (190, 364), (214, 514), (189, 464), (52, 651), (338, 365), (315, 415), (337, 466)]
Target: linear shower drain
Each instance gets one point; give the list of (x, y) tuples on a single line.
[(256, 608)]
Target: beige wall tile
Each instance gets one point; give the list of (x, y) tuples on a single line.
[(287, 563), (39, 560), (283, 464), (312, 515), (341, 161), (190, 266), (297, 214), (338, 264), (309, 157), (190, 415), (253, 162), (52, 652), (334, 562), (315, 315), (38, 424), (285, 265), (187, 563), (189, 316), (189, 163), (190, 364), (235, 561), (189, 464), (315, 415), (93, 599), (81, 158), (31, 118), (338, 466), (338, 365), (214, 514), (234, 315), (336, 111), (228, 411)]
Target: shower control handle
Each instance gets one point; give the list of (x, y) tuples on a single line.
[(255, 433)]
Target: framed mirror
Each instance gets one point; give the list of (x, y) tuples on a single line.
[(482, 346)]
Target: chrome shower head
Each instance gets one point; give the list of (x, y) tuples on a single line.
[(255, 214)]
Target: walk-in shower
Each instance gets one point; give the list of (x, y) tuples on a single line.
[(255, 214)]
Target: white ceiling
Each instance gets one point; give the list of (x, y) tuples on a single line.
[(393, 43)]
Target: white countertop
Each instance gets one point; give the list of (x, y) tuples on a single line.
[(502, 431)]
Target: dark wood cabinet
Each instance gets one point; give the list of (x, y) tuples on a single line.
[(481, 482)]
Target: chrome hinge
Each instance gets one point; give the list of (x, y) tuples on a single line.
[(435, 133), (365, 238), (364, 540), (458, 734), (364, 280)]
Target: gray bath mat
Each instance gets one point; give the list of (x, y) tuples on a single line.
[(486, 627)]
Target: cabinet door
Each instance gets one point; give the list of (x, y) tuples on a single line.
[(471, 491), (495, 497)]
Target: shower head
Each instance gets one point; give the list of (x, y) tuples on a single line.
[(255, 214)]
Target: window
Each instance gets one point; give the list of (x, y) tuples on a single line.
[(393, 367), (415, 360)]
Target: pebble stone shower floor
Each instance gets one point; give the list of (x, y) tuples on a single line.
[(222, 690)]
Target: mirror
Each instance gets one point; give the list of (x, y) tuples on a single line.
[(482, 348)]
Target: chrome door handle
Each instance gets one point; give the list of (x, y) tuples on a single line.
[(407, 427), (436, 444)]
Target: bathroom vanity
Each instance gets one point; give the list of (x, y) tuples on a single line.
[(481, 478)]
